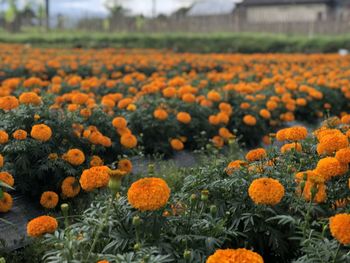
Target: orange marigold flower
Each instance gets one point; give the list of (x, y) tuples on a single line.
[(225, 133), (1, 161), (320, 133), (20, 135), (249, 120), (96, 161), (70, 187), (125, 165), (149, 194), (289, 146), (214, 96), (119, 122), (4, 137), (74, 157), (41, 132), (345, 119), (296, 133), (41, 225), (239, 255), (328, 167), (176, 144), (128, 140), (30, 98), (218, 141), (103, 261), (281, 135), (6, 203), (319, 188), (265, 113), (49, 199), (266, 191), (343, 155), (183, 117), (256, 154), (340, 228), (332, 143), (160, 114), (7, 178), (95, 177), (235, 165), (8, 103)]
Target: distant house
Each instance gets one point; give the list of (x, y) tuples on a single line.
[(257, 11), (212, 7)]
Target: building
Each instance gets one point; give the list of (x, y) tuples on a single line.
[(212, 7), (257, 11)]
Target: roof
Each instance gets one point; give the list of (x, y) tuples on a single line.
[(285, 2), (212, 7)]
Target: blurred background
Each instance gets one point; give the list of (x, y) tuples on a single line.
[(301, 17)]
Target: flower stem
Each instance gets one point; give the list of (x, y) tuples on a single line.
[(100, 227)]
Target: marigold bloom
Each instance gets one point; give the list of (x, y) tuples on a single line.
[(176, 144), (266, 191), (149, 194), (41, 225), (328, 167), (49, 199), (239, 255), (30, 98), (289, 146), (296, 133), (125, 165), (265, 113), (4, 137), (1, 161), (8, 103), (7, 178), (214, 96), (183, 117), (128, 140), (343, 155), (319, 188), (70, 187), (41, 132), (96, 161), (74, 157), (331, 143), (256, 154), (281, 135), (6, 203), (95, 177), (340, 228), (225, 133), (218, 141), (160, 114), (235, 165), (249, 120), (119, 122), (20, 135)]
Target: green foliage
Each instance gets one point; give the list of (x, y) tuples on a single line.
[(182, 42)]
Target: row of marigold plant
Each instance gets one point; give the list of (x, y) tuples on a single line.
[(287, 203)]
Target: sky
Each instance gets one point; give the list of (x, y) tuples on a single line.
[(97, 7)]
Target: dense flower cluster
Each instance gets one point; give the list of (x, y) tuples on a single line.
[(149, 194), (41, 225), (239, 255)]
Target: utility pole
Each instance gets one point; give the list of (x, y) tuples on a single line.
[(154, 6), (47, 14)]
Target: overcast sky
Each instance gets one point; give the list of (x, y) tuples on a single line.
[(97, 6)]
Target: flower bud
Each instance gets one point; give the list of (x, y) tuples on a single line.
[(114, 185), (136, 221), (151, 168), (137, 246), (193, 198), (2, 260), (187, 255), (64, 209), (204, 195), (213, 210)]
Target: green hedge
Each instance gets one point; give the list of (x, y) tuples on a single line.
[(219, 43)]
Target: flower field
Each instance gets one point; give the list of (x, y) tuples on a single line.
[(72, 120)]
